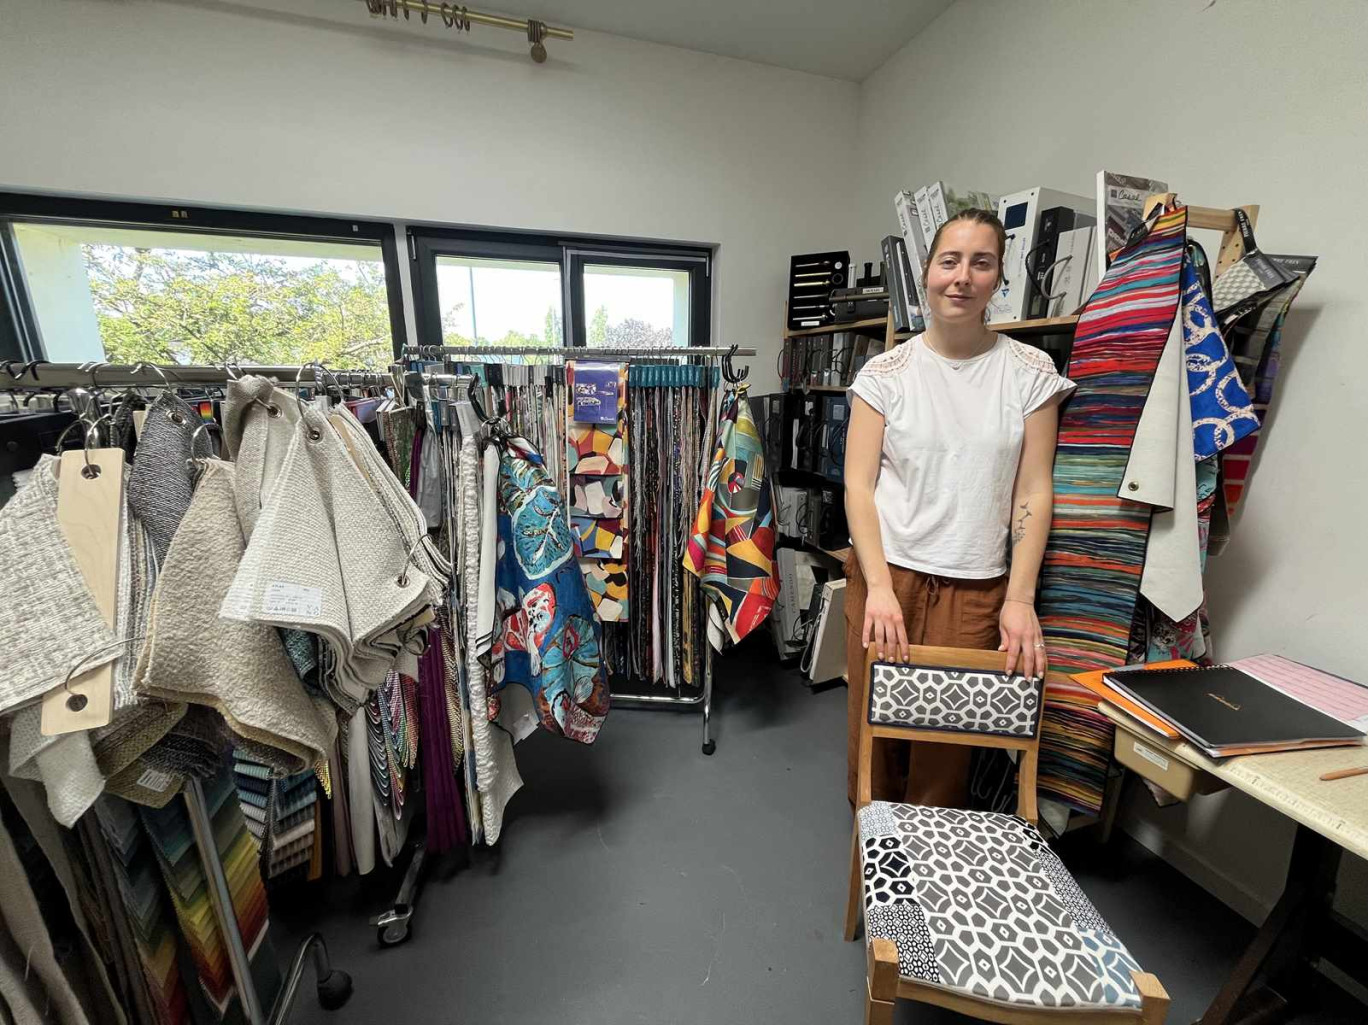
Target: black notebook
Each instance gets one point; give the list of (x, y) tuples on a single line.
[(1221, 707)]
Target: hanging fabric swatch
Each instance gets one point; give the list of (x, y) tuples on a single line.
[(550, 641), (174, 845), (596, 447), (1095, 554), (1255, 345), (150, 918), (1222, 410), (732, 547)]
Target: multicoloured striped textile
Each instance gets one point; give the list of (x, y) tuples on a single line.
[(149, 917), (1096, 550), (173, 841), (732, 547)]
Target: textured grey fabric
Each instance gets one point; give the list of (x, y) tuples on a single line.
[(48, 619), (160, 485), (238, 668), (329, 556)]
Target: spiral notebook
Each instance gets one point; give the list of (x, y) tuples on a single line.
[(1221, 708)]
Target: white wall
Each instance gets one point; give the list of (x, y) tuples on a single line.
[(323, 110), (1233, 102)]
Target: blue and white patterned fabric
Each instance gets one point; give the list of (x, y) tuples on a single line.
[(978, 904), (547, 639), (1222, 410)]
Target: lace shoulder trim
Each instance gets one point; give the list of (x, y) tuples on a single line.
[(1030, 356), (891, 362)]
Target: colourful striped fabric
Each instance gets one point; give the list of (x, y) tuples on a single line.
[(150, 921), (1096, 551), (173, 842)]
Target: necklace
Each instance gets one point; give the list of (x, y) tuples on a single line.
[(956, 364)]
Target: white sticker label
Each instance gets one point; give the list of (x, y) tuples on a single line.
[(285, 599), (155, 779), (1151, 756)]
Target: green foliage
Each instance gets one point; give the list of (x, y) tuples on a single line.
[(168, 306)]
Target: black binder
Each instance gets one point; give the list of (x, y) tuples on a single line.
[(1220, 707)]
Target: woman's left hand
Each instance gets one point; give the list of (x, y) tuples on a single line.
[(1021, 639)]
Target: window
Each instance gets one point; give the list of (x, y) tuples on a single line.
[(635, 305), (499, 302), (109, 281), (501, 288)]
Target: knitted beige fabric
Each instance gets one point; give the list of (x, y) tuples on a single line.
[(326, 557), (48, 620), (240, 669), (258, 423)]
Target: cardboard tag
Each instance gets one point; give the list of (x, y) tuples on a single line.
[(88, 510), (139, 418)]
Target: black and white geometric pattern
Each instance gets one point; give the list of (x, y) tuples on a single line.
[(995, 907), (905, 925), (966, 700)]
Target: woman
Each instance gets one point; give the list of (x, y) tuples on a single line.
[(949, 451)]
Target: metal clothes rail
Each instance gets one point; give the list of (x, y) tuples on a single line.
[(703, 699), (39, 375), (577, 351)]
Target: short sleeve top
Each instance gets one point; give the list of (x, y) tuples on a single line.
[(953, 431)]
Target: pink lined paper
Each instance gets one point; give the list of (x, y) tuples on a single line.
[(1345, 700)]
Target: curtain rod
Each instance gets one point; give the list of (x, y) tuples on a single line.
[(460, 18), (41, 376), (583, 352)]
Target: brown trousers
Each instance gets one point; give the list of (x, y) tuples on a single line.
[(936, 611)]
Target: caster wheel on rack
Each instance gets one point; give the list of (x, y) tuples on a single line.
[(710, 747), (393, 934), (335, 990)]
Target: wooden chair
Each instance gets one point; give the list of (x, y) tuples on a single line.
[(971, 910)]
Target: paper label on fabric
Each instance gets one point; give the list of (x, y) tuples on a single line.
[(155, 779), (596, 393), (285, 599), (1151, 756)]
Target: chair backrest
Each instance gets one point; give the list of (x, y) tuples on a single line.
[(952, 696)]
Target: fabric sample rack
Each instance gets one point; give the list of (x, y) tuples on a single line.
[(84, 382), (505, 355)]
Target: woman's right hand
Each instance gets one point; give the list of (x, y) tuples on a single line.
[(883, 624)]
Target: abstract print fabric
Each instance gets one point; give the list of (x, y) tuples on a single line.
[(1095, 555), (597, 463), (732, 547), (548, 634)]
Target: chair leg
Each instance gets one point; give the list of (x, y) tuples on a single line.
[(855, 897), (1154, 999), (882, 982)]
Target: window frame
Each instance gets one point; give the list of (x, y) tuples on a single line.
[(572, 253), (27, 207)]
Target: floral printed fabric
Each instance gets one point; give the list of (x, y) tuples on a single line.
[(546, 638)]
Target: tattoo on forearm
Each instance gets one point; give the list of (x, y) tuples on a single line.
[(1019, 530)]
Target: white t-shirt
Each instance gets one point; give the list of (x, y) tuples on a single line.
[(952, 441)]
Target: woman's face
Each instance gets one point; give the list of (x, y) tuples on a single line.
[(963, 272)]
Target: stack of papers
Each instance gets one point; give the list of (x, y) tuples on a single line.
[(1262, 705)]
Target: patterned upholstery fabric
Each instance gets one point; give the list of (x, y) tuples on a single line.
[(939, 698), (978, 904)]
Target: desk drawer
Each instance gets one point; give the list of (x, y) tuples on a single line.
[(1162, 768)]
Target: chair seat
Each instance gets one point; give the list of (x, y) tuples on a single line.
[(978, 904)]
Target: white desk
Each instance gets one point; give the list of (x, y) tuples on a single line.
[(1331, 816)]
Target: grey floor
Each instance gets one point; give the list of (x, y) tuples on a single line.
[(639, 881)]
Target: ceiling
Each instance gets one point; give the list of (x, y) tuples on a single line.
[(849, 39)]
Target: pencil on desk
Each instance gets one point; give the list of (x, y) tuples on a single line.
[(1361, 770)]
